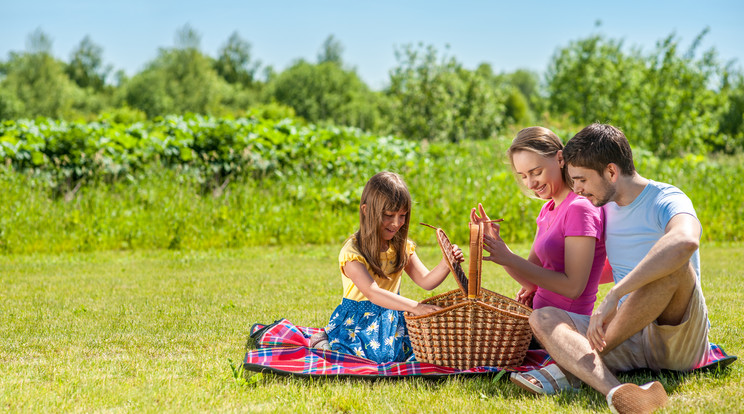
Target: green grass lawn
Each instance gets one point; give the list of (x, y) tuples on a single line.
[(159, 330)]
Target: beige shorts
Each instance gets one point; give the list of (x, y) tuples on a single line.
[(674, 347)]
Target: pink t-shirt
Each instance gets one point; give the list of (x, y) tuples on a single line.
[(575, 216)]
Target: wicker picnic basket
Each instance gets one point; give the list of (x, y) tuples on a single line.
[(476, 327)]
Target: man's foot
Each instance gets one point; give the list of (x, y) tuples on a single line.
[(631, 398), (547, 380)]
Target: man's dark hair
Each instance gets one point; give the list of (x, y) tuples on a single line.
[(598, 145)]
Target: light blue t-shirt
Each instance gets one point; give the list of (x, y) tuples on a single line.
[(632, 230)]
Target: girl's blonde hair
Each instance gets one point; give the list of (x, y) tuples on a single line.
[(385, 191), (541, 141)]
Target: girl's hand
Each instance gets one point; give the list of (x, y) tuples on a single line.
[(525, 295), (424, 308), (457, 254)]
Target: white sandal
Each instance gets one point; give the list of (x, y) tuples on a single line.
[(551, 380)]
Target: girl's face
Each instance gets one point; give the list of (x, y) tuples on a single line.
[(541, 175), (392, 221)]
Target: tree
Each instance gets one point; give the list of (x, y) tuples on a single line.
[(517, 110), (179, 80), (528, 84), (35, 83), (331, 51), (680, 109), (39, 42), (438, 99), (662, 100), (234, 61), (86, 65), (187, 38), (731, 124), (591, 79), (325, 92)]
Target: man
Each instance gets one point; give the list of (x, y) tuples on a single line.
[(655, 315)]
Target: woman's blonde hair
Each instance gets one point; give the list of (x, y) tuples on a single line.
[(541, 141), (385, 191)]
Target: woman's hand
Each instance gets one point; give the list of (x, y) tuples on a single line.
[(424, 308), (483, 217), (491, 227), (526, 294), (499, 251)]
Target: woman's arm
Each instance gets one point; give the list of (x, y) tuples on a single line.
[(430, 279), (358, 274), (578, 257), (514, 273)]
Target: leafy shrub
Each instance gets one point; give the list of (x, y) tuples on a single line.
[(197, 182)]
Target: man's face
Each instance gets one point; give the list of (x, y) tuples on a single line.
[(588, 183)]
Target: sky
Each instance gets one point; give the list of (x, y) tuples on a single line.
[(507, 35)]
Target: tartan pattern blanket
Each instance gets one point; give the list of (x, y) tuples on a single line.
[(282, 348)]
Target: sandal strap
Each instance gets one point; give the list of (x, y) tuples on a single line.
[(556, 377), (546, 375), (551, 380)]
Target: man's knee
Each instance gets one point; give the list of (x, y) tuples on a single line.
[(685, 275)]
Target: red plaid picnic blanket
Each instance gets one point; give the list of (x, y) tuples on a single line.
[(283, 349)]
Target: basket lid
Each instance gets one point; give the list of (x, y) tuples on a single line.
[(444, 243), (469, 284)]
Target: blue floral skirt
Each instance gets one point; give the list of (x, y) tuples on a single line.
[(369, 331)]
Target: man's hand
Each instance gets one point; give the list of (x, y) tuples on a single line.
[(601, 318)]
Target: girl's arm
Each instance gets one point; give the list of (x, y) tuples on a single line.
[(578, 257), (358, 274), (430, 279)]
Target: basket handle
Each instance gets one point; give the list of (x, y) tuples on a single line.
[(476, 259)]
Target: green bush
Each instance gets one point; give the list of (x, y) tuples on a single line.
[(289, 184)]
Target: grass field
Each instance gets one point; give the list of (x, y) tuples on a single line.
[(157, 330)]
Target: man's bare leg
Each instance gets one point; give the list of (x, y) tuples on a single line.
[(570, 349), (665, 300)]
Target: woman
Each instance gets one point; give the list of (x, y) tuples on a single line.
[(568, 253)]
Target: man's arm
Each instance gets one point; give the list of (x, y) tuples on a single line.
[(671, 252)]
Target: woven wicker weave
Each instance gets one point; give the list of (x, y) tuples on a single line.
[(476, 327)]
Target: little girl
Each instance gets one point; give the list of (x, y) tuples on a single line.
[(369, 321)]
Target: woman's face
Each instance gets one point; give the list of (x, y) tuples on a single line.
[(541, 175)]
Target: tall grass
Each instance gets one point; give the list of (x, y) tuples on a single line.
[(169, 208)]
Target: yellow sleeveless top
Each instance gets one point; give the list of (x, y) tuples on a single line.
[(350, 252)]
